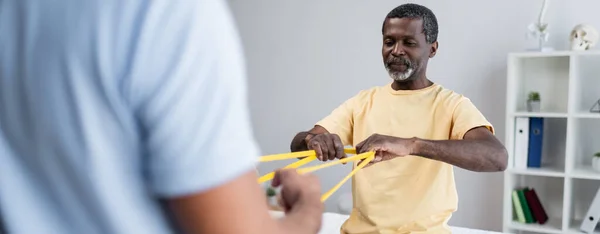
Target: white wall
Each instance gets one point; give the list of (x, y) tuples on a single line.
[(306, 57)]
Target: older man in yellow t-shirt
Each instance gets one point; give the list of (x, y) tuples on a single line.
[(419, 130)]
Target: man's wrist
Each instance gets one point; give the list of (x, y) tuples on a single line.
[(300, 143), (306, 219), (311, 214), (420, 147), (415, 145)]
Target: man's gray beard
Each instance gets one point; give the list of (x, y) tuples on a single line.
[(401, 76)]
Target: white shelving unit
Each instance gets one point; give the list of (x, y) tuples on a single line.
[(569, 84)]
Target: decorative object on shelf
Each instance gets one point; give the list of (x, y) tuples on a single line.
[(596, 162), (596, 107), (583, 37), (533, 102), (539, 30)]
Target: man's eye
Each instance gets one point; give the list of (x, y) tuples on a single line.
[(410, 43)]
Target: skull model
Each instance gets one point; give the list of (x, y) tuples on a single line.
[(584, 37)]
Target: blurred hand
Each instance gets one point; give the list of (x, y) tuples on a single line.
[(299, 192), (385, 147), (327, 146)]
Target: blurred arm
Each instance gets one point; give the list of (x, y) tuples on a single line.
[(239, 207)]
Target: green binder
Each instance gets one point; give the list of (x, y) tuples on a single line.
[(517, 207), (526, 210)]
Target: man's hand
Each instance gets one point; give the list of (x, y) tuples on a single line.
[(328, 146), (298, 190), (301, 199), (385, 147)]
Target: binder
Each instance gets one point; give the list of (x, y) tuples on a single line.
[(525, 206), (521, 142), (517, 207), (591, 217), (536, 133), (539, 214)]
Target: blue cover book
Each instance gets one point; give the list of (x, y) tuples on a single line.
[(536, 133)]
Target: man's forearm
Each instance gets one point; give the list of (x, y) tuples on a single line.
[(474, 155)]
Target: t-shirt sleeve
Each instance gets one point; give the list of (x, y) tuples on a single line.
[(466, 116), (188, 88), (340, 121)]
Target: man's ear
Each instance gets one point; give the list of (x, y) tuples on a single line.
[(433, 50)]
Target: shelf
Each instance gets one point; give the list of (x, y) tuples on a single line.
[(587, 115), (553, 150), (574, 228), (542, 114), (560, 53), (581, 115), (549, 76), (585, 84), (585, 145), (552, 226), (550, 194), (583, 193), (549, 172), (585, 172), (566, 184)]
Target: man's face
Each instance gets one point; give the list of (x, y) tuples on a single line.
[(405, 49)]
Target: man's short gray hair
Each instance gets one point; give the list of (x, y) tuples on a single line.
[(415, 11)]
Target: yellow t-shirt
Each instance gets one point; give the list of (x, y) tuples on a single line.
[(408, 194)]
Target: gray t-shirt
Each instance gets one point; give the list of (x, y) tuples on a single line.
[(108, 106)]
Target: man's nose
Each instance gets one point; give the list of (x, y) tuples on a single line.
[(398, 50)]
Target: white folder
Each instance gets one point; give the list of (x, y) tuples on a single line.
[(591, 217), (521, 142)]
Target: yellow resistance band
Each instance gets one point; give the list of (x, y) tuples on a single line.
[(310, 156), (295, 155), (339, 184)]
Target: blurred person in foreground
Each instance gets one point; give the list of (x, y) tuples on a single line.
[(131, 117)]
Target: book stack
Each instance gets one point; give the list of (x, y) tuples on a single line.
[(527, 206)]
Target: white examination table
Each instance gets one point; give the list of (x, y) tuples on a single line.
[(332, 222)]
